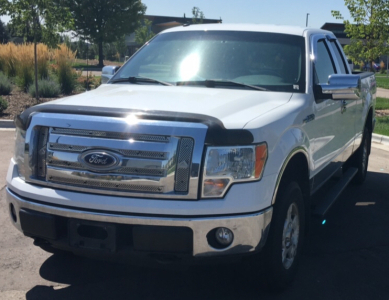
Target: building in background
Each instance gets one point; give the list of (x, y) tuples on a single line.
[(338, 31)]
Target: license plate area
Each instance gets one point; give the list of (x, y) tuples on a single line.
[(163, 239), (92, 235)]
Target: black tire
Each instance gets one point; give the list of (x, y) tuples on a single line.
[(281, 261), (361, 159)]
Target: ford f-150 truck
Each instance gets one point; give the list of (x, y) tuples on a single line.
[(211, 141)]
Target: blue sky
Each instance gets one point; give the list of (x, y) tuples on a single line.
[(281, 12)]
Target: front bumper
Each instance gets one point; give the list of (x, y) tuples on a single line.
[(250, 230)]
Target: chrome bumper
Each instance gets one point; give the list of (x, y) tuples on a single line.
[(250, 231)]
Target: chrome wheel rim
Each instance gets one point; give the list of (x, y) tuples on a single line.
[(290, 236)]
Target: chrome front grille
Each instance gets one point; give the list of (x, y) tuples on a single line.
[(154, 158), (65, 166)]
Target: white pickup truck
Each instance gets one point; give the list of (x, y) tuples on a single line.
[(210, 141)]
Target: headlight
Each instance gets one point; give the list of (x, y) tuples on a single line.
[(20, 139), (227, 165)]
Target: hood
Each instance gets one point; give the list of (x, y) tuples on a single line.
[(233, 107)]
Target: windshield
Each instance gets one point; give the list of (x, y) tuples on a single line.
[(269, 60)]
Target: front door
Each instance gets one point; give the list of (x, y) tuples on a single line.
[(332, 130)]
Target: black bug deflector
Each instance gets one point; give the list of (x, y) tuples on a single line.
[(217, 134)]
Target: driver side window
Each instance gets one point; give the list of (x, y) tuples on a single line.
[(324, 65)]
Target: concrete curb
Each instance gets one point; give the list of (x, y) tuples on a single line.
[(7, 124), (380, 139)]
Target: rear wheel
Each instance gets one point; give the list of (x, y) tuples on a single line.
[(284, 245)]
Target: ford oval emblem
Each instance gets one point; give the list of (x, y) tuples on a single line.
[(99, 160)]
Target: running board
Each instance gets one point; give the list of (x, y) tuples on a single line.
[(323, 207)]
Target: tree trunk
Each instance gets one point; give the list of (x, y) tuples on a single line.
[(36, 72), (101, 56), (371, 66)]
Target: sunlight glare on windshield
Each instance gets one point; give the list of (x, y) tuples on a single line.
[(190, 66)]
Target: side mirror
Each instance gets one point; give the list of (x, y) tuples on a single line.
[(342, 87), (107, 72)]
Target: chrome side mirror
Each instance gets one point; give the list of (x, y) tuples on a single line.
[(342, 87), (107, 72)]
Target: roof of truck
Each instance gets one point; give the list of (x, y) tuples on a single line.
[(294, 30)]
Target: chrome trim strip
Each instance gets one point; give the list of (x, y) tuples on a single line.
[(129, 153), (121, 182), (125, 162), (138, 148), (111, 135), (250, 231)]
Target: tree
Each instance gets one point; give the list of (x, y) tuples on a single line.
[(4, 34), (121, 47), (369, 33), (104, 21), (198, 16), (144, 33), (39, 19)]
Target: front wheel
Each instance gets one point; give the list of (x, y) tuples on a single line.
[(362, 158), (284, 245)]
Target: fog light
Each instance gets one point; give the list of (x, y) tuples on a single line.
[(224, 236)]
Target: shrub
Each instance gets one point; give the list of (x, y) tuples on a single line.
[(93, 82), (8, 60), (25, 66), (382, 67), (43, 58), (64, 58), (5, 85), (46, 88), (3, 105)]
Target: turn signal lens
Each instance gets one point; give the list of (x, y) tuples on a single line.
[(260, 159), (215, 187)]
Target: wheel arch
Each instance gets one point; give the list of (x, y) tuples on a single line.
[(295, 166)]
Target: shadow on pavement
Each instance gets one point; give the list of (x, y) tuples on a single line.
[(347, 258), (89, 279)]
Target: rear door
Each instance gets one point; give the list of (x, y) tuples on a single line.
[(349, 108)]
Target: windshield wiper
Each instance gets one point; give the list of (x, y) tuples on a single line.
[(215, 82), (136, 79)]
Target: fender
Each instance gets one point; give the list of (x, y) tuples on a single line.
[(284, 165), (282, 148)]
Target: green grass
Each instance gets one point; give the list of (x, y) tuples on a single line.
[(382, 126), (382, 103), (382, 82)]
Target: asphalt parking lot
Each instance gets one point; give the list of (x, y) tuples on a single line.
[(346, 258)]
